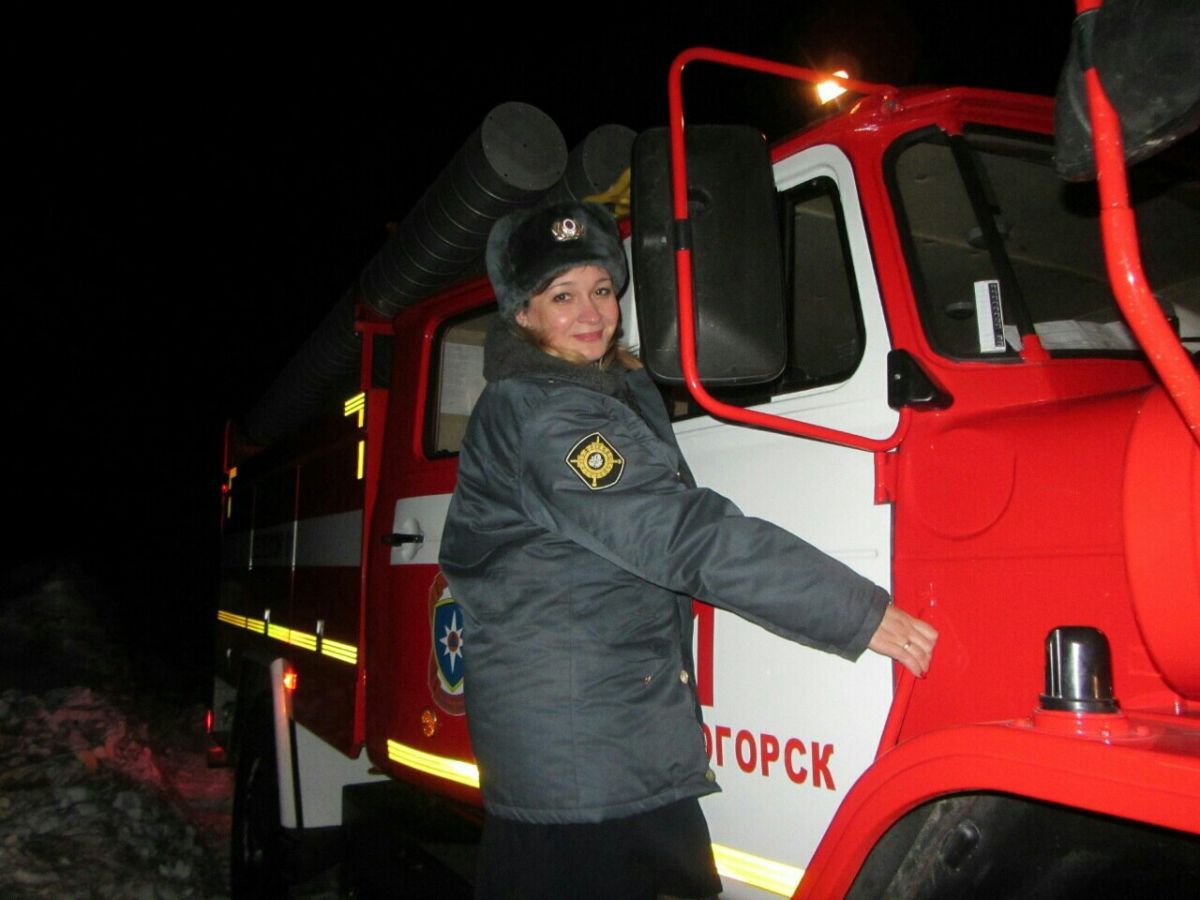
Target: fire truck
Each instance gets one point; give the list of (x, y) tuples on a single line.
[(892, 333)]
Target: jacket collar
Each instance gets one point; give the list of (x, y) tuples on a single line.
[(507, 356)]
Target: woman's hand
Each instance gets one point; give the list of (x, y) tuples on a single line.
[(905, 639)]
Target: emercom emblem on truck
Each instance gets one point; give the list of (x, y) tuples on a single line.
[(446, 650)]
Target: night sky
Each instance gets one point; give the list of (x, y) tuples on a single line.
[(186, 198)]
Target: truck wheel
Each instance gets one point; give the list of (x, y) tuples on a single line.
[(258, 857)]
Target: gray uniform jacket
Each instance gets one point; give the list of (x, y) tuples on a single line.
[(574, 543)]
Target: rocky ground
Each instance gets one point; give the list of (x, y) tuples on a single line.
[(104, 788), (92, 806), (105, 791)]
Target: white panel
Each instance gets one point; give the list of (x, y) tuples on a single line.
[(420, 515), (272, 547), (629, 325), (281, 713), (324, 771), (332, 540), (766, 689)]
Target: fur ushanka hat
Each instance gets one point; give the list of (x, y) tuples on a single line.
[(527, 248)]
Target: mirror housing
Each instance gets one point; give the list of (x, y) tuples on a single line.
[(736, 258), (1148, 59)]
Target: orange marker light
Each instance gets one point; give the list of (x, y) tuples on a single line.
[(429, 722), (290, 679)]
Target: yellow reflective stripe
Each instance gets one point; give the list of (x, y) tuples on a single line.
[(346, 653), (442, 766), (356, 404), (767, 874), (229, 488), (302, 639), (292, 636)]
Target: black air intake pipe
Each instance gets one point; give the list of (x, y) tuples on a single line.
[(595, 164), (515, 155), (514, 159)]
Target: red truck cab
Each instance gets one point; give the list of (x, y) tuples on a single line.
[(1011, 470)]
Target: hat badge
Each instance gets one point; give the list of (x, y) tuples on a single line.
[(567, 229)]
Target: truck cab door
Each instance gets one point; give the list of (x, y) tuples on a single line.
[(790, 729), (415, 637)]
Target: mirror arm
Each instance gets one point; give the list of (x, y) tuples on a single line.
[(683, 258)]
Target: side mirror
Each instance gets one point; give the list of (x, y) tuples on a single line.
[(736, 258), (1147, 54)]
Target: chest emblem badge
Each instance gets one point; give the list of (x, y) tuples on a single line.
[(596, 461)]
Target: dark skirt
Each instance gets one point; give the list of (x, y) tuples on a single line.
[(666, 851)]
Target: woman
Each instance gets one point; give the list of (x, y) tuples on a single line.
[(575, 541)]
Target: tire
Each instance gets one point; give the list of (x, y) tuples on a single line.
[(258, 858)]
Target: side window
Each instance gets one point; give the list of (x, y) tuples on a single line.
[(826, 336), (999, 248), (948, 249), (458, 381), (827, 331)]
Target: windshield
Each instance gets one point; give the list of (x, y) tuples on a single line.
[(1000, 247)]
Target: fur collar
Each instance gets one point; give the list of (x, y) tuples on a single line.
[(507, 356)]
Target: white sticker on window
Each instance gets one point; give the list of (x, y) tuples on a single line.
[(462, 378), (989, 316), (1069, 334)]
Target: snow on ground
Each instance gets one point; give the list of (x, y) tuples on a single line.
[(87, 809), (104, 791)]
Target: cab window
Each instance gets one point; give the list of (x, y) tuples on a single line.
[(458, 381), (999, 247), (825, 327)]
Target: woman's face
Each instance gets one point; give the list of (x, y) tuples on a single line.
[(576, 316)]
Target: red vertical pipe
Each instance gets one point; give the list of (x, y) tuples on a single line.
[(1119, 229)]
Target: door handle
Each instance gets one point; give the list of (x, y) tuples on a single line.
[(407, 539), (397, 538)]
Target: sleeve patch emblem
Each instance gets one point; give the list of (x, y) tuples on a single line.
[(596, 462)]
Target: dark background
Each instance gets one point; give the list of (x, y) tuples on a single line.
[(186, 197)]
